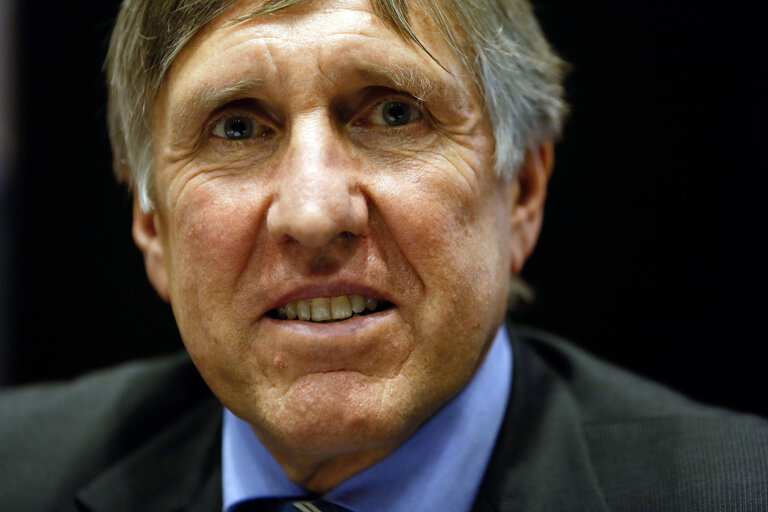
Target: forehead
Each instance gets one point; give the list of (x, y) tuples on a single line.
[(313, 17), (343, 37)]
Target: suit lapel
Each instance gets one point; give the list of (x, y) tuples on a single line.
[(541, 462), (179, 470)]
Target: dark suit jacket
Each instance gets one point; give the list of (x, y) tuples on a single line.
[(579, 435)]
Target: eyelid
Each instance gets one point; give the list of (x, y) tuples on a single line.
[(373, 106), (259, 128)]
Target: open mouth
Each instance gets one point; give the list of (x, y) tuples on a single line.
[(329, 309)]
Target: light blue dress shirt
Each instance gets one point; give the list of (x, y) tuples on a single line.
[(440, 467)]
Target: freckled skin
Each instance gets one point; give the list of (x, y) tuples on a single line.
[(413, 211)]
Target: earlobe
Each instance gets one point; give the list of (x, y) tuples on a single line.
[(147, 237), (529, 194)]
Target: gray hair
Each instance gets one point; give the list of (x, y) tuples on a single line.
[(499, 42)]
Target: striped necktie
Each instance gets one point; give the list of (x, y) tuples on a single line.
[(289, 505)]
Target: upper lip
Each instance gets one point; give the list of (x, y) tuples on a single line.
[(327, 289)]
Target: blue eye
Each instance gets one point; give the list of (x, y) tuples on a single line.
[(237, 128), (234, 128), (396, 113)]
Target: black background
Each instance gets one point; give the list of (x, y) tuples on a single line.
[(652, 251)]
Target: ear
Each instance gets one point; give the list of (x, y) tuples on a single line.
[(146, 234), (529, 192)]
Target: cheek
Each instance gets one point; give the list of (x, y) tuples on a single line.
[(450, 226), (216, 223), (454, 242)]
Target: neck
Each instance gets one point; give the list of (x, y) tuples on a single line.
[(321, 473)]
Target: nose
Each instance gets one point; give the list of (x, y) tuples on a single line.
[(318, 197)]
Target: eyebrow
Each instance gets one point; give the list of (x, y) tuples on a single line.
[(209, 98), (407, 78)]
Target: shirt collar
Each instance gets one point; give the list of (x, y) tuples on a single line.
[(440, 467)]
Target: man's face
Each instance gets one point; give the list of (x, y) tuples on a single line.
[(313, 154)]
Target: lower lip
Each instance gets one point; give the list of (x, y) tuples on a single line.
[(341, 327)]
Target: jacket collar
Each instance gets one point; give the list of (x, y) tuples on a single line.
[(179, 469), (541, 461)]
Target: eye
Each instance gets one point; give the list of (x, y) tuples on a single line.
[(394, 113), (236, 128)]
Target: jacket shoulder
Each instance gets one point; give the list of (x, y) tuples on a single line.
[(652, 449), (56, 436), (604, 390)]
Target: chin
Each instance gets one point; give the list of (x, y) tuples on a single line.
[(337, 413)]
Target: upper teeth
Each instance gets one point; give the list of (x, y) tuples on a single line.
[(323, 309)]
